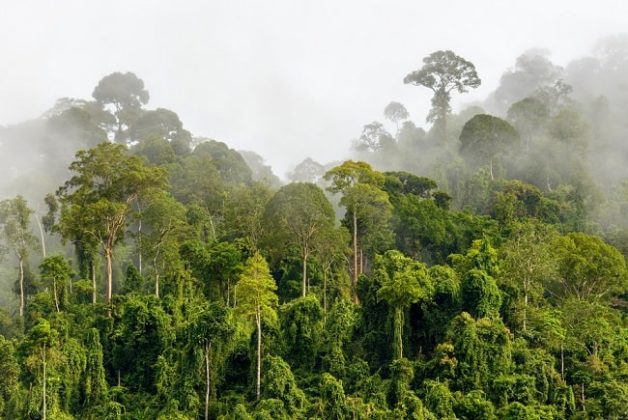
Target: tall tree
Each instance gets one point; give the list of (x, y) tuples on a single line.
[(396, 113), (588, 268), (97, 200), (404, 282), (56, 271), (443, 72), (484, 137), (298, 215), (257, 300), (126, 94), (360, 186), (16, 227)]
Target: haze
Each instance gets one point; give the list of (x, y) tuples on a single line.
[(287, 79)]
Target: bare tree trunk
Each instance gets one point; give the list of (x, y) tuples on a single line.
[(258, 320), (139, 240), (41, 236), (207, 379), (157, 285), (304, 274), (490, 168), (355, 255), (21, 287), (109, 257), (94, 293), (54, 292), (325, 291), (562, 361), (43, 358)]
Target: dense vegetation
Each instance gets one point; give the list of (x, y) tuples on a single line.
[(474, 271)]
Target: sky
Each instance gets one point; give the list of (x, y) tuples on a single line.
[(287, 79)]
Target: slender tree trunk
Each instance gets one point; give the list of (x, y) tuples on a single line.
[(94, 292), (207, 379), (139, 240), (399, 331), (325, 291), (490, 168), (157, 285), (562, 361), (525, 305), (355, 254), (258, 320), (54, 292), (21, 286), (109, 257), (41, 236), (43, 358), (304, 273)]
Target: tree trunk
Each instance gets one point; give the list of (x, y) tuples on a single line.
[(258, 320), (562, 361), (54, 292), (109, 257), (43, 358), (399, 332), (21, 287), (93, 281), (525, 305), (355, 255), (207, 379), (304, 274), (325, 291), (139, 240), (490, 168), (157, 285), (41, 236)]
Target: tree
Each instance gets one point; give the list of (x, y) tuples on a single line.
[(161, 123), (404, 282), (15, 222), (529, 116), (527, 263), (257, 300), (374, 138), (166, 225), (484, 137), (307, 171), (211, 328), (588, 268), (126, 94), (396, 113), (56, 270), (443, 72), (298, 215), (365, 202), (40, 339), (98, 199)]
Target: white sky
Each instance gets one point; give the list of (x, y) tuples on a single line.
[(287, 79)]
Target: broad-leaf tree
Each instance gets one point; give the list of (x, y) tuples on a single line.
[(257, 300), (298, 215), (125, 93), (16, 228), (443, 72), (404, 282), (484, 137), (97, 200)]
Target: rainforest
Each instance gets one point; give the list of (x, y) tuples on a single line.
[(465, 264)]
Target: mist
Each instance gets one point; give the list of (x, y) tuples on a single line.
[(289, 81)]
